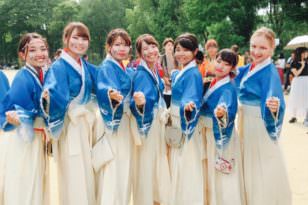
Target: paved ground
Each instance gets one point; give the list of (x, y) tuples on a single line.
[(294, 141)]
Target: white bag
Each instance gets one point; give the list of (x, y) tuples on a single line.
[(101, 153)]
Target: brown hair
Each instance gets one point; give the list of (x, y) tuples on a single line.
[(167, 40), (267, 33), (82, 30), (211, 43), (114, 34), (147, 38), (26, 39)]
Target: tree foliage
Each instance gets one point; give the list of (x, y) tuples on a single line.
[(228, 22)]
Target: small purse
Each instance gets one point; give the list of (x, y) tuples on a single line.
[(174, 136), (224, 166), (101, 153)]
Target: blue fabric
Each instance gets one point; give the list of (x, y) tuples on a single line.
[(4, 85), (24, 98), (187, 88), (152, 89), (64, 83), (225, 96), (257, 89), (112, 76)]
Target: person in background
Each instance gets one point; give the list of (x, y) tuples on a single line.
[(168, 64), (247, 58), (298, 99), (289, 74), (241, 59), (57, 54), (280, 65), (207, 67)]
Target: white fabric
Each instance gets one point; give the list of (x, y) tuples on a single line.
[(298, 98), (152, 180), (224, 189), (187, 173), (25, 174), (73, 156), (281, 63), (115, 178), (5, 138), (217, 85), (265, 175)]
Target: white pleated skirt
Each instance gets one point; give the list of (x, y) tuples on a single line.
[(224, 189), (298, 98), (24, 174), (115, 178), (265, 174), (187, 169), (152, 180), (72, 153)]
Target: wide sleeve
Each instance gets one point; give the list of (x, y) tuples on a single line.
[(93, 70), (107, 80), (192, 92), (271, 88), (223, 126), (57, 85), (20, 99), (144, 114)]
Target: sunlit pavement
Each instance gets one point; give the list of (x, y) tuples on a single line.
[(294, 142)]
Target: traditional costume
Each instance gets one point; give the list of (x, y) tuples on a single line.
[(23, 159), (225, 175), (264, 166), (183, 135), (152, 176), (115, 172), (70, 122)]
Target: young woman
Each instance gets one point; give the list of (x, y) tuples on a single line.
[(218, 112), (67, 91), (22, 145), (152, 178), (182, 132), (113, 96), (260, 93), (298, 95)]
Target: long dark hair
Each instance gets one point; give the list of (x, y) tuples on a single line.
[(298, 53)]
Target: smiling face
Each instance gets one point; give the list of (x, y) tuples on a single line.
[(119, 50), (222, 68), (36, 53), (260, 48), (77, 45), (149, 53), (183, 55)]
